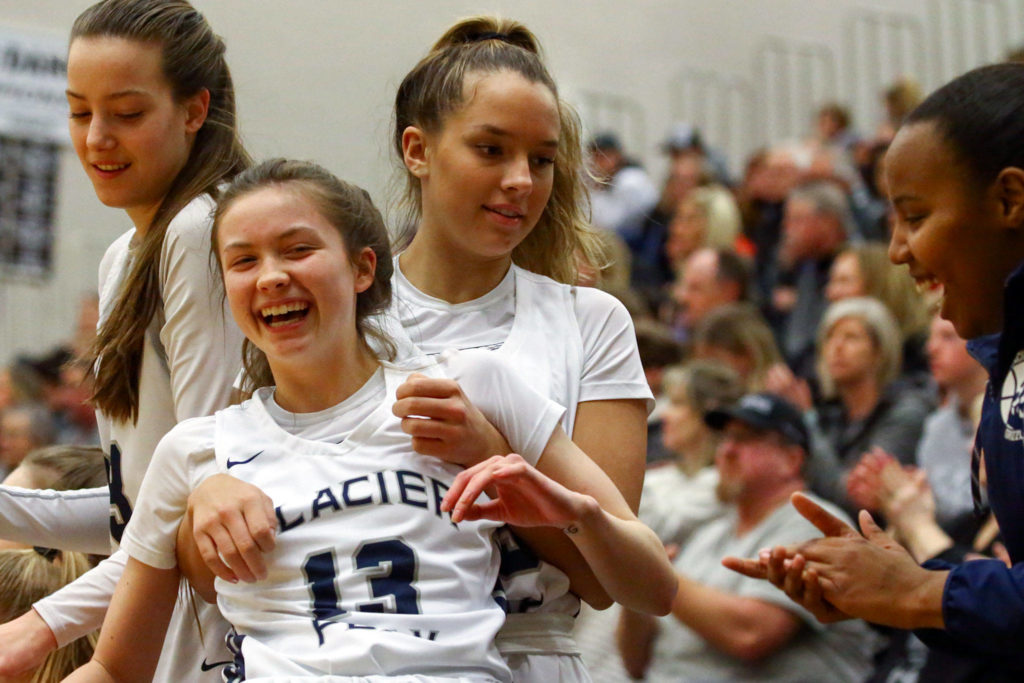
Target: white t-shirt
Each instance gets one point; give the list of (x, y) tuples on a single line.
[(368, 576), (817, 652), (192, 376), (572, 344), (674, 504)]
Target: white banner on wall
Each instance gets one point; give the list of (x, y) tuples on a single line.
[(33, 125), (33, 77)]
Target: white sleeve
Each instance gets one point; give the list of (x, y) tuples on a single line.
[(611, 360), (524, 417), (202, 341), (152, 532), (78, 608), (68, 520)]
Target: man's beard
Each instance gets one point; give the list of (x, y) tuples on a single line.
[(728, 491)]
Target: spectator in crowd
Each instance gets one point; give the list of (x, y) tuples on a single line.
[(624, 194), (862, 408), (694, 205), (899, 99), (875, 213), (711, 278), (66, 386), (684, 140), (833, 128), (658, 351), (19, 384), (738, 336), (679, 496), (22, 428), (944, 450), (696, 223), (816, 224), (865, 270), (85, 325), (769, 178), (726, 627)]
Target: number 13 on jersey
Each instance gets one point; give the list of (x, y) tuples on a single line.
[(389, 568)]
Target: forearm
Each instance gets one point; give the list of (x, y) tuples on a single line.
[(742, 627), (68, 520), (133, 632), (191, 564), (634, 637), (983, 608), (553, 546), (79, 608), (922, 537), (618, 551), (92, 672), (922, 605)]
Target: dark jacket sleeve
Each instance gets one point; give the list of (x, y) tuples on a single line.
[(983, 608)]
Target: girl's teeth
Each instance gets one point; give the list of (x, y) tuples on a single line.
[(283, 308)]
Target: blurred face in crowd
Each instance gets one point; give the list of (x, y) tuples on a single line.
[(699, 291), (948, 359), (605, 162), (686, 232), (15, 437), (829, 125), (742, 364), (851, 354), (802, 228), (6, 390), (845, 279), (752, 463), (683, 428), (687, 169), (773, 178)]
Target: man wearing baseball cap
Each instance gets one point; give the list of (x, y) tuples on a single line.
[(725, 626)]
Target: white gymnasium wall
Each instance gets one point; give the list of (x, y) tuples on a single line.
[(315, 80)]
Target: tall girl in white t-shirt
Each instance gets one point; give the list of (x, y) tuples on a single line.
[(385, 563), (152, 119), (497, 203)]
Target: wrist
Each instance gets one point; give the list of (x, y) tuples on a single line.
[(42, 637), (925, 540), (921, 605), (587, 517)]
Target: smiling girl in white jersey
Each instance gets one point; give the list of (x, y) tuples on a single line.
[(152, 120), (495, 188), (384, 564)]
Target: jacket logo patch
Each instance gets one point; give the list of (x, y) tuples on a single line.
[(1011, 399)]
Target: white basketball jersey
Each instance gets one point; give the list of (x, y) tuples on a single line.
[(368, 577)]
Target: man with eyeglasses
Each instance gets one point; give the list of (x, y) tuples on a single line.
[(725, 626)]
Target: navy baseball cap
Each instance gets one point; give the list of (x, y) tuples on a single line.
[(606, 141), (763, 411)]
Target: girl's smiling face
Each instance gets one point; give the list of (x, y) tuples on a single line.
[(949, 232), (487, 174), (289, 278), (129, 131)]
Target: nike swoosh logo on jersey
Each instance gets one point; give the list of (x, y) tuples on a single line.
[(209, 667), (231, 463)]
